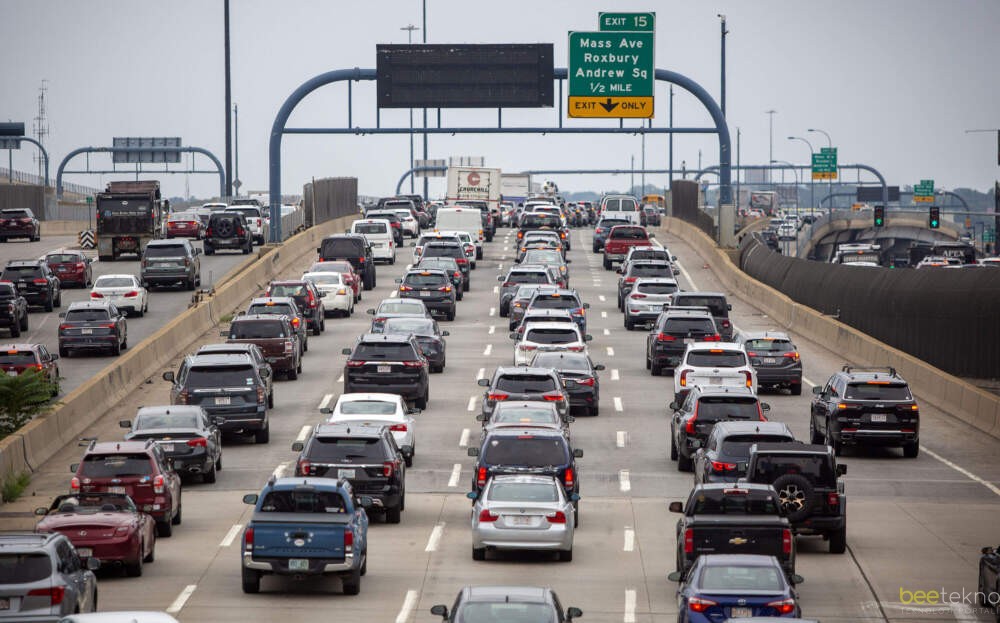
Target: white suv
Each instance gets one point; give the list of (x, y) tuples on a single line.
[(713, 364), (548, 336)]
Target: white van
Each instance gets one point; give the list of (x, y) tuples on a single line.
[(378, 233), (469, 220), (621, 206)]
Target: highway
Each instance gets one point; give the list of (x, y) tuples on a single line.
[(164, 303), (912, 524)]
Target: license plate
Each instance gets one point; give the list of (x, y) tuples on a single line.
[(770, 360), (119, 490), (223, 400), (84, 552), (345, 473), (11, 372), (384, 369), (715, 380), (4, 604), (425, 293), (62, 269), (164, 264), (520, 521), (740, 612), (878, 417), (86, 331), (167, 447), (298, 564), (689, 340)]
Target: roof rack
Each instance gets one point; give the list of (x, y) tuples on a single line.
[(851, 369)]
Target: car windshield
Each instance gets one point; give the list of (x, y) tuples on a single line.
[(147, 421), (555, 302), (560, 361), (541, 256), (115, 465), (442, 263), (612, 222), (272, 309), (738, 447), (649, 254), (689, 325), (62, 258), (649, 270), (16, 357), (114, 282), (349, 449), (525, 292), (425, 279), (418, 326), (387, 351), (736, 501), (442, 250), (370, 228), (330, 267), (525, 415), (253, 212), (220, 376), (343, 248), (716, 305), (628, 233), (14, 214), (165, 250), (540, 220), (816, 468), (256, 329), (368, 407), (716, 358), (523, 492), (656, 288), (526, 383), (91, 503), (552, 336), (13, 273), (401, 307), (733, 578), (525, 450), (528, 277), (26, 568), (716, 408), (287, 289), (87, 315), (298, 501), (769, 345), (324, 278), (877, 390)]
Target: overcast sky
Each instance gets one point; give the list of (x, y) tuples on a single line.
[(895, 82)]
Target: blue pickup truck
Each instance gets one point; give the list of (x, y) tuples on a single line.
[(304, 527)]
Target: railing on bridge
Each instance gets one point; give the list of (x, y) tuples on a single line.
[(23, 177)]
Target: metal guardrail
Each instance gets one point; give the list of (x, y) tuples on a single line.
[(23, 177), (292, 223)]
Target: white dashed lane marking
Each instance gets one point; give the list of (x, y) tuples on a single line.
[(435, 539), (488, 350), (231, 535), (629, 606), (472, 403), (178, 604), (611, 352), (623, 481), (463, 441), (614, 375), (621, 438), (618, 404), (409, 603), (456, 472), (629, 539)]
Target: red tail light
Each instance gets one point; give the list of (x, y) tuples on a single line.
[(485, 515), (159, 484), (557, 517), (79, 266), (689, 541), (699, 604), (589, 381), (630, 279), (106, 326), (598, 230), (74, 484), (348, 540), (576, 349), (131, 294), (683, 380), (295, 322), (54, 593), (198, 442), (751, 353), (414, 364), (289, 346), (497, 396), (312, 299), (361, 260), (527, 347), (794, 356), (37, 366), (553, 397), (96, 295), (723, 467), (458, 273), (461, 260), (398, 428), (39, 282), (355, 364), (636, 295), (387, 468), (712, 338), (689, 427), (481, 477), (248, 538), (239, 231), (182, 397), (444, 289), (833, 498), (786, 541), (569, 477), (405, 289), (303, 467), (749, 376), (784, 606), (663, 337)]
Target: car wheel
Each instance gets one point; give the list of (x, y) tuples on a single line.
[(684, 463), (504, 310), (795, 389), (352, 583), (607, 264), (594, 410), (164, 529), (251, 580), (116, 350), (134, 569), (189, 285), (629, 325), (15, 329), (408, 460), (151, 556), (63, 352), (209, 476), (264, 434), (180, 511), (58, 302), (421, 403), (673, 447), (794, 495), (393, 514), (655, 368), (911, 450), (305, 343), (48, 303), (24, 323), (838, 541), (566, 555), (451, 315), (270, 400), (836, 444), (298, 367), (316, 329), (814, 436), (479, 553)]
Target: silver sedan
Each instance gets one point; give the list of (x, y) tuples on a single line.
[(523, 512)]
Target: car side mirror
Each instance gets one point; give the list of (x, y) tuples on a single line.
[(370, 312), (41, 511), (483, 382), (319, 250), (512, 335), (796, 579), (673, 258), (499, 277), (599, 367), (578, 453), (568, 261), (618, 270), (765, 407), (93, 564), (480, 417), (676, 507), (573, 613), (817, 390), (472, 495), (440, 610), (469, 451), (586, 305), (673, 405), (399, 281), (986, 550), (62, 314), (588, 338), (250, 498), (345, 351), (297, 446), (841, 469), (675, 576), (73, 467), (124, 424), (729, 307), (53, 357)]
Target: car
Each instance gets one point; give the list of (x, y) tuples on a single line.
[(522, 383), (807, 479), (395, 224), (540, 239), (517, 276), (775, 358), (431, 287), (185, 225), (519, 303), (16, 359), (562, 298), (672, 331), (500, 603), (787, 232), (324, 511), (653, 252), (715, 302), (338, 295), (189, 438), (410, 223), (346, 270), (282, 306), (379, 234), (449, 266), (227, 230), (468, 244), (353, 248), (453, 250), (36, 283), (636, 269), (865, 407), (255, 220), (254, 353), (620, 239), (720, 586), (274, 336), (377, 410), (561, 316), (308, 299), (523, 512), (724, 456), (388, 363), (19, 223), (105, 526), (123, 291), (227, 387), (601, 229), (531, 221), (693, 419), (429, 336), (525, 414), (138, 469), (396, 308), (44, 577), (649, 216), (549, 336), (92, 325), (71, 266), (551, 258), (988, 595), (713, 364), (648, 297), (365, 456), (579, 376), (13, 309)]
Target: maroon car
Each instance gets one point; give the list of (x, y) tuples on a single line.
[(16, 359), (71, 266), (185, 225), (19, 223), (106, 526)]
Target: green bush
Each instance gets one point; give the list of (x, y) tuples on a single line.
[(14, 486), (22, 398)]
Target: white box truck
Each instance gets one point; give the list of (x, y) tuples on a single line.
[(474, 183)]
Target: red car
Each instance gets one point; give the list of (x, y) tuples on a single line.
[(72, 267), (106, 526), (185, 225), (345, 268), (15, 359)]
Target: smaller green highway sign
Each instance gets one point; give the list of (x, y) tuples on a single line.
[(824, 164), (924, 192), (626, 22)]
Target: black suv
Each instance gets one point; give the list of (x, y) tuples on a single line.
[(35, 282), (524, 383), (228, 230), (92, 325), (366, 456), (865, 406), (254, 353), (353, 248), (807, 479), (13, 309), (432, 287), (540, 220), (227, 387), (169, 262), (715, 302), (703, 407), (672, 331), (454, 251), (517, 276), (775, 358), (388, 363)]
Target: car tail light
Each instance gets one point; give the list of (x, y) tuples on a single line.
[(636, 295), (458, 273), (481, 477), (355, 364), (387, 468), (486, 515), (576, 349), (598, 230), (131, 294), (289, 346), (122, 531), (527, 347), (842, 405), (248, 538), (461, 260), (751, 353), (630, 279), (786, 541), (700, 604), (361, 260), (556, 517), (833, 498), (239, 231), (37, 366), (794, 356), (312, 299), (79, 266), (96, 295), (684, 378), (497, 396), (414, 364), (303, 467), (723, 467), (198, 442), (689, 541), (341, 291), (783, 606), (348, 540), (569, 478), (398, 428), (663, 337), (553, 397), (295, 322), (588, 381), (712, 338), (261, 398), (405, 289), (54, 593), (39, 282), (520, 235), (444, 289), (689, 427), (749, 376), (74, 484), (159, 484)]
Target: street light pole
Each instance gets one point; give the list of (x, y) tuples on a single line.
[(723, 63), (424, 33), (236, 150), (671, 136), (409, 28), (812, 184), (770, 140)]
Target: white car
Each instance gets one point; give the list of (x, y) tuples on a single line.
[(339, 295), (468, 244), (124, 291), (377, 410), (378, 233), (411, 227), (548, 336), (648, 297), (713, 363), (787, 232)]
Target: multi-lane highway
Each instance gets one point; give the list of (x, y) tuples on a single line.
[(913, 524)]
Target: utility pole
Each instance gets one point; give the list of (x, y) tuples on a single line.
[(671, 135), (409, 28), (229, 103), (424, 33), (738, 170), (236, 150), (723, 69), (770, 142)]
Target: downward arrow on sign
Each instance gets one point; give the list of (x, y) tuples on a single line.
[(608, 106)]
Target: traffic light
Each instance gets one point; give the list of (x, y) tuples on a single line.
[(879, 216), (934, 218)]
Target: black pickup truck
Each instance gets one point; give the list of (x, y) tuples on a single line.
[(733, 519)]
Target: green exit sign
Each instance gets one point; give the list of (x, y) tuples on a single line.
[(626, 22)]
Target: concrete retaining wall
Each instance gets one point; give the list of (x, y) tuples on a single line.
[(42, 438), (948, 393), (63, 228)]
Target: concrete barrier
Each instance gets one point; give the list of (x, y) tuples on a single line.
[(948, 393), (63, 228), (41, 438)]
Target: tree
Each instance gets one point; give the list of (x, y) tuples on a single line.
[(22, 398)]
